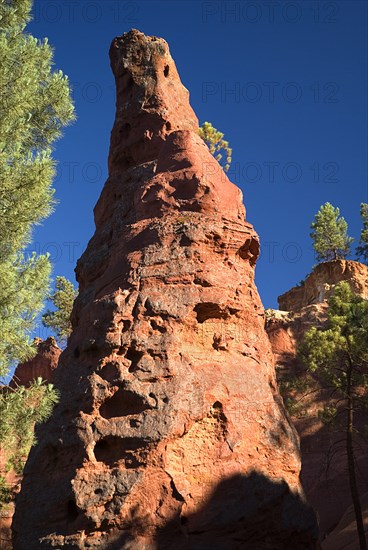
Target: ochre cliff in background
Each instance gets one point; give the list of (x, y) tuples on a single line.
[(42, 365), (324, 470), (170, 432)]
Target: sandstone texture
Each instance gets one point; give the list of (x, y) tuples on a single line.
[(286, 328), (320, 283), (324, 472), (305, 306), (170, 432), (42, 365)]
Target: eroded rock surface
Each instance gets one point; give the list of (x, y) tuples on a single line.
[(305, 305), (319, 284), (170, 432)]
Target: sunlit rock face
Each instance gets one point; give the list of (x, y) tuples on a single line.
[(42, 365), (318, 285), (170, 432)]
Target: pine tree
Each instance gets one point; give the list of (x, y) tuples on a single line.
[(59, 318), (362, 249), (34, 106), (23, 407), (338, 354), (329, 234), (215, 142)]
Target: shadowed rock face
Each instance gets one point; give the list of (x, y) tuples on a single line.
[(324, 471), (43, 366), (170, 424)]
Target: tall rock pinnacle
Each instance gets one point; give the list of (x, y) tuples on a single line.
[(170, 432)]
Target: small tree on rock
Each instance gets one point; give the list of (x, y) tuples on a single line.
[(215, 142), (329, 234), (59, 319), (362, 249)]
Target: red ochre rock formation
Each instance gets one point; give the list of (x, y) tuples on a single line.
[(320, 283), (286, 329), (324, 472), (42, 365), (170, 432), (305, 305)]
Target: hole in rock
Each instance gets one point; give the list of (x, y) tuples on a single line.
[(185, 190), (153, 310), (219, 343), (193, 206), (166, 70), (123, 403), (134, 356), (112, 449), (109, 372), (98, 491), (126, 324), (185, 241), (150, 310), (201, 282), (215, 237), (156, 326), (175, 492), (249, 250), (121, 350), (168, 126), (209, 310), (73, 512), (217, 412)]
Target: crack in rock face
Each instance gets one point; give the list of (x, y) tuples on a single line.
[(170, 432)]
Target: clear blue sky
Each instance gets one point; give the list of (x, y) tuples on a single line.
[(285, 81)]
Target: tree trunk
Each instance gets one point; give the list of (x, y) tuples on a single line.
[(351, 467)]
